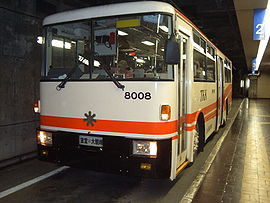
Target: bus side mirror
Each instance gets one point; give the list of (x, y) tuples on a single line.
[(172, 51)]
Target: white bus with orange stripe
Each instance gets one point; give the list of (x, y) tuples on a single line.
[(133, 88)]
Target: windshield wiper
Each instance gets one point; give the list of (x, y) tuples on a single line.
[(64, 81), (115, 81)]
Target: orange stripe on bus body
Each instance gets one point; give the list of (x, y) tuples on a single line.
[(175, 137), (207, 118), (227, 91), (190, 128), (209, 108), (227, 95), (151, 128), (210, 116), (190, 118)]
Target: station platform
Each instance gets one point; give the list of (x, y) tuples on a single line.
[(241, 171)]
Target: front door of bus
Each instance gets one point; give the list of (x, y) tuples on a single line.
[(182, 140)]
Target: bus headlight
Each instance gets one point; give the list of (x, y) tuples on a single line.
[(44, 138), (144, 148)]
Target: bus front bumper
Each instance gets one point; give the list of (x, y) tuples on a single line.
[(115, 155)]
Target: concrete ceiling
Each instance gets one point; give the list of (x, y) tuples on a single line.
[(227, 23), (244, 10)]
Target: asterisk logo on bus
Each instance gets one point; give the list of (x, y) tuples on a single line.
[(90, 118)]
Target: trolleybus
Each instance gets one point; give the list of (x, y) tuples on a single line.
[(134, 88)]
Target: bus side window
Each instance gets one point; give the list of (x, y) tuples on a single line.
[(227, 75), (210, 70), (199, 66), (198, 71)]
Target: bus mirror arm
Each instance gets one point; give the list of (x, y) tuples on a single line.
[(172, 51), (115, 81)]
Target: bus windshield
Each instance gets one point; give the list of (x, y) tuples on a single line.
[(130, 47)]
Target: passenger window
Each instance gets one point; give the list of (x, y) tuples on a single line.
[(203, 45), (196, 39), (210, 50), (199, 66), (227, 71), (227, 75), (204, 67), (210, 70)]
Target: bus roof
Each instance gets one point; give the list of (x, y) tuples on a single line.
[(109, 10)]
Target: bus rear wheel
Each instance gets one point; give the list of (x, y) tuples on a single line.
[(224, 120), (198, 140)]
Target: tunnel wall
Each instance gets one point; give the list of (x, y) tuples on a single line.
[(263, 84), (237, 76), (19, 77), (259, 86)]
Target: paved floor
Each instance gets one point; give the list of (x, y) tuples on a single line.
[(241, 169)]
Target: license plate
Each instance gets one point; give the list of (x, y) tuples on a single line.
[(91, 141)]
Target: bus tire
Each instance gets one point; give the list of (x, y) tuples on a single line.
[(199, 137), (224, 120)]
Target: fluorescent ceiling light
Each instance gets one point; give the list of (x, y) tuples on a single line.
[(121, 33), (203, 72), (67, 45), (96, 63), (164, 28), (140, 60), (57, 43), (148, 43), (60, 44), (248, 83), (40, 40), (242, 83)]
